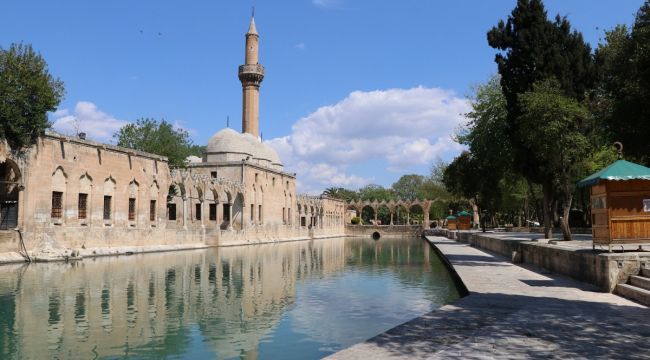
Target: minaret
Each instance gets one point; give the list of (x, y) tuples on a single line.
[(251, 75)]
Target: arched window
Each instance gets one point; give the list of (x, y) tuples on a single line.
[(59, 183)]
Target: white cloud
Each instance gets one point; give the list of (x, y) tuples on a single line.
[(87, 118), (400, 128), (300, 46)]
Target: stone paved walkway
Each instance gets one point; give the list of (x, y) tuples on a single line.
[(515, 312)]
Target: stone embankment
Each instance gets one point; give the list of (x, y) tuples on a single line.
[(49, 250), (392, 231), (514, 311), (575, 259)]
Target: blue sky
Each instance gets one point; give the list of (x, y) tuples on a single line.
[(356, 91)]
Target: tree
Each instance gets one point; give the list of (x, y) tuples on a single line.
[(534, 49), (159, 138), (488, 121), (341, 193), (477, 174), (552, 129), (27, 93), (375, 192), (624, 64), (408, 187)]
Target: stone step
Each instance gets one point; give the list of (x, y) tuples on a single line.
[(645, 272), (631, 292), (640, 281)]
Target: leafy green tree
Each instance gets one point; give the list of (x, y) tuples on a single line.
[(341, 193), (552, 129), (532, 49), (376, 192), (27, 93), (159, 138), (409, 187), (624, 62)]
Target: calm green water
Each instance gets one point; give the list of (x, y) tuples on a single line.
[(297, 300)]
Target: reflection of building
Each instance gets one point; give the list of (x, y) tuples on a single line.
[(234, 296), (67, 192), (219, 302)]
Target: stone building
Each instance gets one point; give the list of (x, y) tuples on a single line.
[(68, 195)]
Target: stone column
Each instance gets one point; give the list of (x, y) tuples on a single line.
[(425, 223), (201, 202), (231, 215), (391, 218), (20, 223), (184, 212), (408, 218)]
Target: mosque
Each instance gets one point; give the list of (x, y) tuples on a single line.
[(69, 196)]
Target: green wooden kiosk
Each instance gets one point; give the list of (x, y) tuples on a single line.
[(464, 220), (620, 204), (452, 222)]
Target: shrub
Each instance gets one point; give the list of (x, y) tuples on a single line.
[(355, 220)]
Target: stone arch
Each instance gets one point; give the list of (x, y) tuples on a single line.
[(59, 194), (227, 210), (154, 203), (59, 179), (10, 187), (174, 203), (154, 190), (134, 186), (109, 186), (237, 217), (383, 214), (415, 213), (109, 198), (400, 213), (368, 213), (134, 200), (85, 183)]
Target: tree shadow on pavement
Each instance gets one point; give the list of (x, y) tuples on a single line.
[(515, 326)]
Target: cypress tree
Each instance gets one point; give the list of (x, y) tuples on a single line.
[(532, 49)]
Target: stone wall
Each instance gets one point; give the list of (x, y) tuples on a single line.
[(604, 270), (126, 197), (383, 230)]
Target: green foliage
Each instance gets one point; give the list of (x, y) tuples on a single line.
[(341, 193), (624, 101), (599, 158), (159, 138), (554, 134), (488, 121), (197, 150), (408, 187), (355, 221), (376, 192), (477, 174), (27, 93), (551, 128), (534, 49)]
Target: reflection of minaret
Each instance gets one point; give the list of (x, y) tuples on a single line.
[(251, 75)]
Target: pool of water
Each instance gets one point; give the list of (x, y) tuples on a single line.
[(297, 300)]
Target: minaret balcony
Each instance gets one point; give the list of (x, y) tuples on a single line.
[(251, 69), (251, 73)]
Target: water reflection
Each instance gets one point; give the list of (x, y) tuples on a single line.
[(311, 297)]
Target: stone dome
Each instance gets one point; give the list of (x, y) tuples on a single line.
[(229, 145), (228, 141), (272, 155)]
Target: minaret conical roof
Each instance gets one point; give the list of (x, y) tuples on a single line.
[(251, 28)]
